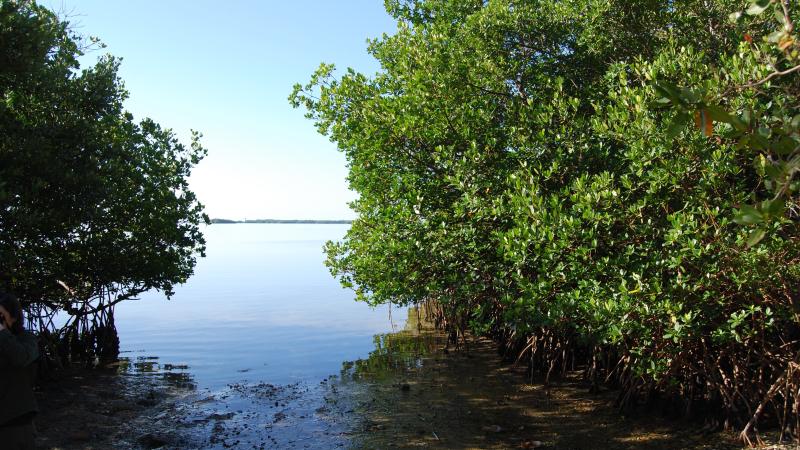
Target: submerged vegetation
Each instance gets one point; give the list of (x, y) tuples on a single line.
[(94, 206), (527, 168)]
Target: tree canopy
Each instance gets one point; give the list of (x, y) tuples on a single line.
[(92, 202), (515, 164)]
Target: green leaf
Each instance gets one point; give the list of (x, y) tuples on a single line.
[(678, 124), (747, 117), (760, 164), (758, 142), (748, 215), (755, 237), (739, 124), (795, 123), (785, 146), (758, 7), (776, 36), (774, 208), (720, 115), (743, 143), (669, 91), (690, 96)]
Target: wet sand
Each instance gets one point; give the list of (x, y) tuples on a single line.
[(410, 393), (97, 409), (101, 409)]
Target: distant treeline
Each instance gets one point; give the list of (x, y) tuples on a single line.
[(320, 222)]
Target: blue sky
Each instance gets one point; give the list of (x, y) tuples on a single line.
[(226, 69)]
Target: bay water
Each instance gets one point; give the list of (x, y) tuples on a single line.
[(261, 307)]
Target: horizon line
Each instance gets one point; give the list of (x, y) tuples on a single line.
[(223, 220)]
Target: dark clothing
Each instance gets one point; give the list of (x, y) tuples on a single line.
[(18, 437), (17, 403)]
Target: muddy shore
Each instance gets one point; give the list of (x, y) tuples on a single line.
[(471, 399), (101, 409), (410, 393)]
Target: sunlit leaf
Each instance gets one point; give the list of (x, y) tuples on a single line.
[(758, 7), (755, 237)]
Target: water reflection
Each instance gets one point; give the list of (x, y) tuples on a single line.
[(175, 376), (396, 353), (256, 411), (262, 303)]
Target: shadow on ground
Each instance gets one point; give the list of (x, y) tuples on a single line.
[(412, 393)]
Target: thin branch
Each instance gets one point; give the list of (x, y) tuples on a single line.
[(489, 91), (771, 76), (789, 24)]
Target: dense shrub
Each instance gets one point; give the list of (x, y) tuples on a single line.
[(95, 207), (527, 166)]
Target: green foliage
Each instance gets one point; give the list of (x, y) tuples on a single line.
[(525, 166), (753, 97), (88, 196)]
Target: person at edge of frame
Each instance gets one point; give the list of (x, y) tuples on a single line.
[(18, 353)]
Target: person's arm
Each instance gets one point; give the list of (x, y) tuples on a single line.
[(17, 351)]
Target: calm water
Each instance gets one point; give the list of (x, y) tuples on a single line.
[(261, 307)]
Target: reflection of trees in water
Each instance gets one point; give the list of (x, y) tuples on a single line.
[(174, 375), (395, 352)]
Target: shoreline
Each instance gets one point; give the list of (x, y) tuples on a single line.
[(472, 399), (100, 408), (409, 393)]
